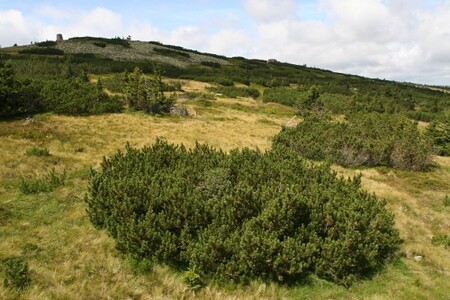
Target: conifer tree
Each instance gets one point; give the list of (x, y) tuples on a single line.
[(147, 94)]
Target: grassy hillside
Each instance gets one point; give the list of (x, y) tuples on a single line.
[(69, 259), (277, 81)]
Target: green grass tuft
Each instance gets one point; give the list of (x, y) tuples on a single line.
[(42, 184), (15, 271), (37, 151)]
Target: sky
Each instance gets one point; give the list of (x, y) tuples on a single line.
[(402, 40)]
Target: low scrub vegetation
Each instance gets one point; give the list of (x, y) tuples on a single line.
[(171, 53), (115, 41), (186, 219), (17, 96), (240, 216), (46, 44), (69, 96), (439, 134), (99, 44), (42, 51), (42, 184), (370, 139), (234, 92), (74, 96), (147, 94), (284, 95)]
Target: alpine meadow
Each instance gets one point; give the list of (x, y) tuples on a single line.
[(140, 170)]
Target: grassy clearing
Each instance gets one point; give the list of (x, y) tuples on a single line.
[(69, 259)]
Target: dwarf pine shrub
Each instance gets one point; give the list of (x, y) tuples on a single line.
[(241, 215), (439, 134), (370, 139), (74, 96)]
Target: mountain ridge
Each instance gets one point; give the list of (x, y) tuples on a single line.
[(119, 49)]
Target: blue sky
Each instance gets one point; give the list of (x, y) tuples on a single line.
[(405, 40)]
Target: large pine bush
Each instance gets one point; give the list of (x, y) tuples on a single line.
[(241, 215), (73, 96), (370, 139)]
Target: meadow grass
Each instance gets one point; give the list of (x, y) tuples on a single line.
[(69, 259)]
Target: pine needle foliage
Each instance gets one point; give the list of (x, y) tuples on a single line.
[(240, 216), (73, 96), (147, 94), (439, 133), (370, 139)]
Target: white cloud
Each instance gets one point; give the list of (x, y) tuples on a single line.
[(434, 33), (97, 22), (189, 36), (270, 10), (230, 41), (15, 29), (52, 12), (394, 39), (21, 30), (186, 36)]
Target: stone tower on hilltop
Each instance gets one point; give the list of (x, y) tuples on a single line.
[(59, 37)]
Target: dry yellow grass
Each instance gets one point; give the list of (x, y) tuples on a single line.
[(87, 139), (416, 199), (195, 86)]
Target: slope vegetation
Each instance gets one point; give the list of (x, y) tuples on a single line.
[(49, 247)]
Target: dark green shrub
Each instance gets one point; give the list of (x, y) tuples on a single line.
[(172, 86), (362, 140), (17, 96), (99, 44), (114, 82), (439, 134), (241, 215), (225, 82), (185, 50), (45, 183), (15, 271), (283, 95), (139, 265), (42, 51), (115, 41), (147, 94), (37, 151), (234, 92), (8, 89), (211, 64), (171, 53), (74, 96), (46, 44)]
